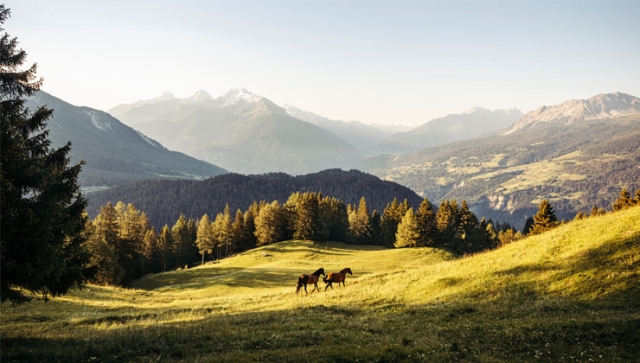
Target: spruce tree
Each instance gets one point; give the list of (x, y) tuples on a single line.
[(427, 225), (545, 219), (42, 246)]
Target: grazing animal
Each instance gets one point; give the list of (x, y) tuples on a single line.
[(304, 280), (336, 277)]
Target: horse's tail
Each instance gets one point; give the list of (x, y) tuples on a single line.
[(326, 279), (300, 283)]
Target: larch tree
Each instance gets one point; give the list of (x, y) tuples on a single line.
[(408, 233), (42, 247), (204, 238)]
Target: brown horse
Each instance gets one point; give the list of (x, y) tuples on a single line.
[(304, 280), (336, 277)]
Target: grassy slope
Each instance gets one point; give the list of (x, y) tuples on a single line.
[(572, 294)]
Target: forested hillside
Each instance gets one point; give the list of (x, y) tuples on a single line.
[(504, 177), (114, 153), (164, 200)]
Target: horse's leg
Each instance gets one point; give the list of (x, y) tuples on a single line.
[(305, 289), (316, 287), (329, 285)]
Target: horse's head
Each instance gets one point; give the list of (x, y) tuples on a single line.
[(347, 271), (321, 270)]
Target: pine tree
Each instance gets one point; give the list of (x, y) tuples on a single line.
[(391, 217), (545, 219), (376, 235), (408, 234), (42, 247), (427, 226), (446, 220)]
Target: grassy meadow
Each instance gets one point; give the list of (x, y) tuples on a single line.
[(569, 295)]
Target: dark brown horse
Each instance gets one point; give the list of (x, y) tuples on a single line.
[(304, 280), (336, 277)]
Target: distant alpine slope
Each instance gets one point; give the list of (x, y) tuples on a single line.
[(577, 154), (114, 153)]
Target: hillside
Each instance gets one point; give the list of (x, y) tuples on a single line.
[(164, 201), (115, 154), (570, 294), (505, 177), (241, 132)]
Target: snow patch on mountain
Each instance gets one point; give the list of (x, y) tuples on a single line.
[(100, 122), (235, 96)]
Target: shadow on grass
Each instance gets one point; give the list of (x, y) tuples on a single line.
[(435, 333), (228, 276)]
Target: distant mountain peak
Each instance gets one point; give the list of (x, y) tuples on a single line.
[(166, 96), (237, 95), (600, 107), (199, 97)]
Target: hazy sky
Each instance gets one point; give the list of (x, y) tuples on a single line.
[(402, 62)]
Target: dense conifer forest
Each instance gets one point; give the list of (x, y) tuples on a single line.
[(164, 200)]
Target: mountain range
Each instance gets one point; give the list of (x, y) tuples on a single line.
[(601, 107), (239, 131), (454, 127), (577, 154), (114, 153)]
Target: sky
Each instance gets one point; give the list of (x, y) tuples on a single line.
[(384, 62)]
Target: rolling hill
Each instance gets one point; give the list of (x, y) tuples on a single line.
[(241, 132), (115, 154), (575, 165), (570, 294)]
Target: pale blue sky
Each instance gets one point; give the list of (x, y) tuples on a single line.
[(402, 62)]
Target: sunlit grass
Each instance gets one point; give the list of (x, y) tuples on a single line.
[(567, 295)]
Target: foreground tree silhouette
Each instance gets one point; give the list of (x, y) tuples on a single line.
[(42, 221)]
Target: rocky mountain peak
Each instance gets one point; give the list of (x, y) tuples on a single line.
[(599, 107)]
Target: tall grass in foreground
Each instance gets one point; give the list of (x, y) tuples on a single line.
[(569, 295)]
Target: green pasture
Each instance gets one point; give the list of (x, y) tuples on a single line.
[(569, 295)]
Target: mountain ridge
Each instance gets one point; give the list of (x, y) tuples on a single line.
[(114, 153), (600, 107)]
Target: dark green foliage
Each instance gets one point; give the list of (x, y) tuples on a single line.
[(427, 225), (42, 223), (196, 198), (391, 218), (447, 220), (545, 219)]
